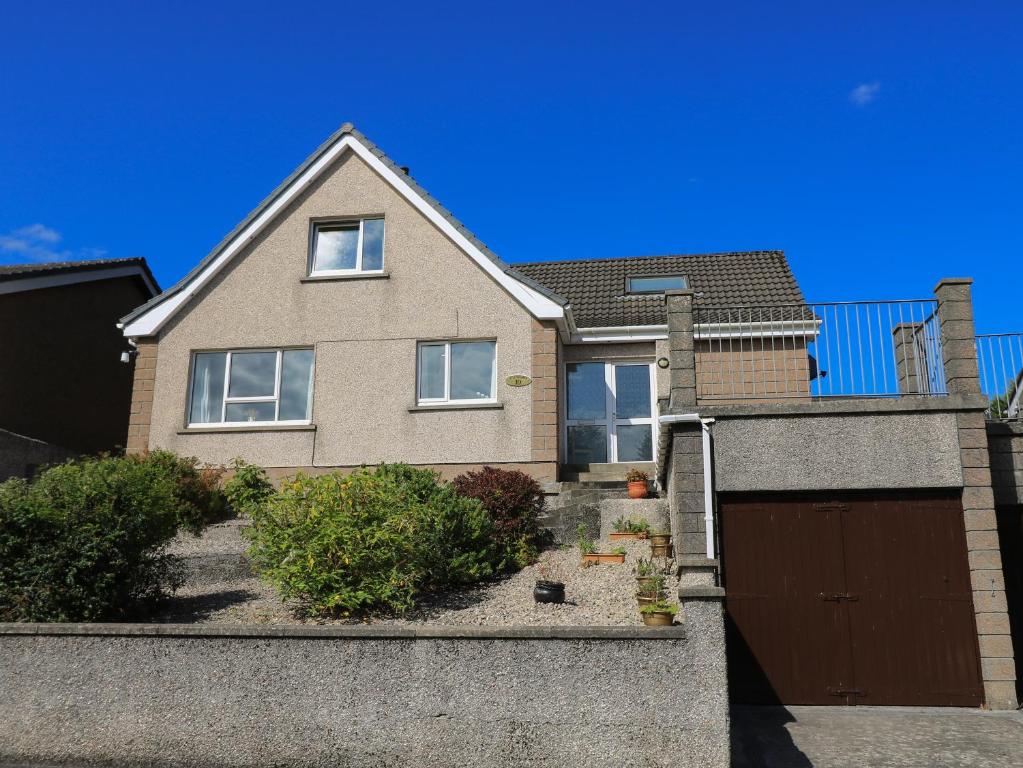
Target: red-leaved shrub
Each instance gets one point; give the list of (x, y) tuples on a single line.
[(515, 502)]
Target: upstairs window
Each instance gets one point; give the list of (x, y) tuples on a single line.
[(456, 372), (656, 284), (347, 247), (239, 388)]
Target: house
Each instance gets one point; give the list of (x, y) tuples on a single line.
[(823, 467), (63, 390)]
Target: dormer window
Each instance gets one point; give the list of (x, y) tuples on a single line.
[(656, 284), (347, 247)]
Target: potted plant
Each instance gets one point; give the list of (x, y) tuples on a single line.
[(651, 590), (550, 587), (590, 556), (629, 529), (660, 544), (646, 570), (659, 614), (637, 481)]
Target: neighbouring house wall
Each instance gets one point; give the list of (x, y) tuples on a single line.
[(364, 332), (366, 696), (803, 451), (21, 456), (62, 380)]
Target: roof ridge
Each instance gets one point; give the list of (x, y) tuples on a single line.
[(604, 259)]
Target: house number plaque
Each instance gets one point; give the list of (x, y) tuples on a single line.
[(518, 381)]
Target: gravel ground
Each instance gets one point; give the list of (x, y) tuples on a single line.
[(220, 588)]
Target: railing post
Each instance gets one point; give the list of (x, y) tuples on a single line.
[(958, 339), (681, 350)]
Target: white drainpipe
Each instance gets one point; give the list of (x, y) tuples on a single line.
[(708, 490)]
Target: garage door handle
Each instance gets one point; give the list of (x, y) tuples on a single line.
[(836, 596)]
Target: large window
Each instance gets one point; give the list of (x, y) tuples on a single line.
[(347, 247), (456, 372), (245, 386)]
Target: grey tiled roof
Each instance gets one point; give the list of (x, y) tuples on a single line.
[(595, 288), (17, 271)]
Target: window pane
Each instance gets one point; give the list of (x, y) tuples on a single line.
[(632, 391), (656, 284), (472, 370), (431, 372), (207, 388), (587, 444), (252, 374), (587, 393), (296, 384), (373, 244), (635, 442), (250, 411), (336, 247)]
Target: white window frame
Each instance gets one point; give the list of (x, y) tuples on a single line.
[(446, 400), (275, 398), (358, 270)]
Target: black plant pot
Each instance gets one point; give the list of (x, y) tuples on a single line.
[(549, 592)]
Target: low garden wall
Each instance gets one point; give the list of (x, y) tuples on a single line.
[(186, 695)]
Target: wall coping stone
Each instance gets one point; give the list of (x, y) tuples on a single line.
[(360, 632), (867, 406), (701, 592), (953, 281)]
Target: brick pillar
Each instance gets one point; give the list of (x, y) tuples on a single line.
[(955, 311), (685, 471), (143, 383), (907, 363), (545, 395)]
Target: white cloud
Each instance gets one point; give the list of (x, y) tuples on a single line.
[(39, 243), (864, 93)]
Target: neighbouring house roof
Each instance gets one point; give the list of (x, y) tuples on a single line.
[(534, 295), (596, 288), (25, 277)]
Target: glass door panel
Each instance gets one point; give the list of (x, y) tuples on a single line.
[(587, 392), (609, 412), (632, 391), (587, 444)]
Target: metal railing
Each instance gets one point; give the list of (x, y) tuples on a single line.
[(837, 349), (1000, 360)]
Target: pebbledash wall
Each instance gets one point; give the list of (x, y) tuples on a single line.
[(364, 331), (909, 442), (365, 696)]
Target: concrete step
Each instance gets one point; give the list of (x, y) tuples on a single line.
[(598, 472), (654, 511)]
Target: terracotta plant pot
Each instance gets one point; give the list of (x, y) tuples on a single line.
[(549, 592), (638, 490), (660, 545), (621, 536), (603, 557), (658, 619)]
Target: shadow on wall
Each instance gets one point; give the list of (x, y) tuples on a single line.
[(1010, 537), (759, 739)]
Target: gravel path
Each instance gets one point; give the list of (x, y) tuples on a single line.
[(220, 588)]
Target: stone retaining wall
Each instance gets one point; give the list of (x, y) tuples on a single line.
[(364, 696), (1005, 447)]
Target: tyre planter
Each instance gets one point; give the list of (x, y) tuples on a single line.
[(549, 592), (660, 545), (603, 557), (658, 619), (638, 489), (622, 536)]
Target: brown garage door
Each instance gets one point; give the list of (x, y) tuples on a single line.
[(856, 599)]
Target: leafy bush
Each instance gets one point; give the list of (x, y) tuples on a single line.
[(85, 541), (198, 498), (373, 540), (515, 502), (248, 487)]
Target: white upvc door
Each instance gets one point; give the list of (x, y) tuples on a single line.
[(609, 409)]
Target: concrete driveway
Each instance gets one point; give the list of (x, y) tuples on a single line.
[(875, 737)]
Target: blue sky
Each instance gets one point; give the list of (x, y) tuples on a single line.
[(878, 143)]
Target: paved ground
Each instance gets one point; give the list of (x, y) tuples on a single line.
[(875, 737)]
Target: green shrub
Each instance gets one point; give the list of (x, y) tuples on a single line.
[(248, 487), (369, 541), (515, 502), (198, 498), (85, 541)]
